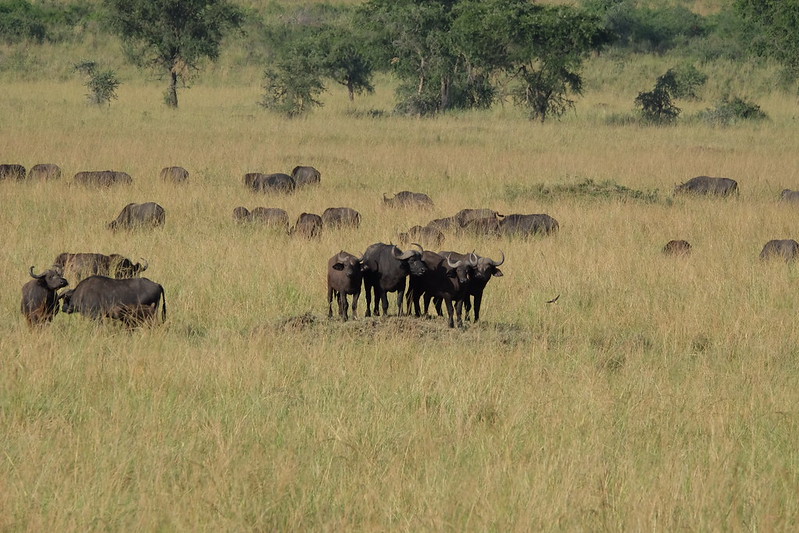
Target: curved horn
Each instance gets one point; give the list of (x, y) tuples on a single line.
[(473, 259), (384, 197), (34, 276), (341, 256), (418, 246), (456, 264), (501, 260), (399, 254), (146, 264)]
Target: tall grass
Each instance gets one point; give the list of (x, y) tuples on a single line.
[(657, 393)]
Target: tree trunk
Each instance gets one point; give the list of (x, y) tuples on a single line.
[(351, 90), (171, 97)]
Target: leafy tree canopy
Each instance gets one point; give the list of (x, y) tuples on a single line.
[(778, 25)]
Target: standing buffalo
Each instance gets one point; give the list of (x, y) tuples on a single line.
[(787, 249), (174, 174), (445, 224), (242, 214), (102, 178), (464, 216), (486, 226), (39, 298), (305, 176), (423, 234), (76, 267), (148, 214), (788, 195), (308, 225), (44, 171), (677, 247), (483, 269), (271, 216), (132, 301), (340, 217), (445, 280), (16, 172), (524, 225), (387, 268), (707, 185), (408, 199), (269, 182), (344, 276)]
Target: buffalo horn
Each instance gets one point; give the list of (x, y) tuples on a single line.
[(418, 246), (501, 260), (456, 264), (341, 256), (146, 264), (34, 276), (398, 254), (473, 259)]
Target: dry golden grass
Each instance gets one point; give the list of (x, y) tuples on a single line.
[(656, 394)]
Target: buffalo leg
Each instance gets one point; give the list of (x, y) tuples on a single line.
[(329, 303), (343, 305), (448, 302), (355, 296), (458, 309), (478, 298), (368, 297), (427, 298)]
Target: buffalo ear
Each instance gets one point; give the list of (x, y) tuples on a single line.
[(338, 266), (497, 273), (452, 273)]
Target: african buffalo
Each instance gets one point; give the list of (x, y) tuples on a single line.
[(486, 226), (39, 298), (528, 225), (44, 171), (788, 195), (786, 249), (271, 216), (387, 268), (132, 301), (344, 276), (408, 199), (334, 217), (305, 176), (677, 247), (464, 216), (422, 234), (132, 216), (242, 214), (102, 178), (483, 269), (16, 172), (445, 280), (76, 267), (308, 225), (174, 174), (278, 182), (445, 224), (708, 185)]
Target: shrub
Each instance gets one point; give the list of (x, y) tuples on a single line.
[(102, 84), (730, 111)]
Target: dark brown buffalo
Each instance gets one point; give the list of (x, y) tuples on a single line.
[(344, 277), (174, 174), (16, 172), (445, 280), (132, 301), (39, 297), (133, 216), (708, 186), (524, 225), (242, 214), (464, 216), (787, 249), (337, 217), (677, 247), (422, 234), (387, 270), (271, 216), (278, 182), (308, 225), (486, 226), (788, 195), (305, 176), (408, 199), (44, 171), (445, 224), (482, 270), (76, 267), (102, 178)]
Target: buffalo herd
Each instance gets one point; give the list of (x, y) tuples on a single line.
[(110, 286)]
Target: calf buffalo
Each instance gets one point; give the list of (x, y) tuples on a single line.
[(132, 216), (44, 171), (308, 225), (16, 172), (102, 178), (423, 234), (242, 214), (708, 186), (344, 276), (39, 298), (174, 174), (677, 247), (269, 182), (340, 217), (523, 225), (387, 270), (132, 301), (303, 175), (408, 199), (786, 249), (76, 267)]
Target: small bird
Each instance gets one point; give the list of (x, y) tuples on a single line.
[(553, 300)]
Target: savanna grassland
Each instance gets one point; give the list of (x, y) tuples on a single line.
[(658, 393)]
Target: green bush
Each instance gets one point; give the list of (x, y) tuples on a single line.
[(732, 110), (102, 84)]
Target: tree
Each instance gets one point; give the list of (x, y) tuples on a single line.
[(777, 22), (102, 84), (656, 105), (293, 84), (173, 36)]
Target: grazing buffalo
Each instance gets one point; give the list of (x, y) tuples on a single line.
[(524, 225), (269, 182), (445, 224), (271, 216), (308, 225), (174, 174), (677, 247), (707, 185), (39, 298), (242, 214), (76, 267), (786, 249), (132, 301), (422, 234), (305, 176), (486, 226), (408, 199), (464, 216), (132, 216), (44, 171), (483, 269), (344, 276), (336, 217), (16, 172), (102, 178), (387, 267), (788, 195), (445, 280)]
